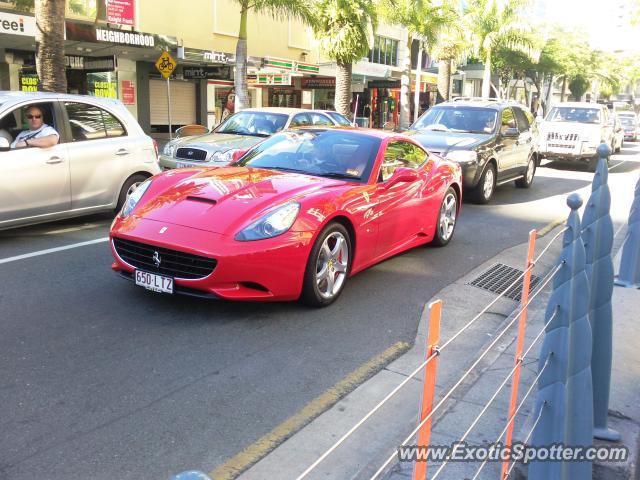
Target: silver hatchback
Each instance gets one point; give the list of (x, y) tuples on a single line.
[(102, 155)]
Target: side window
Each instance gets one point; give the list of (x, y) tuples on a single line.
[(14, 122), (321, 120), (300, 120), (523, 123), (89, 122), (508, 120), (400, 154)]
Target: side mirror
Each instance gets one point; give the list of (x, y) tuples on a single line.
[(401, 175), (4, 143), (511, 133)]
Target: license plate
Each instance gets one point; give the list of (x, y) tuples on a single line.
[(151, 281), (183, 165)]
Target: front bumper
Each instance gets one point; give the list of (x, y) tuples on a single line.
[(263, 270), (574, 151), (168, 163)]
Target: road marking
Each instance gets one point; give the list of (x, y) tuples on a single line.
[(52, 250), (550, 226), (256, 451)]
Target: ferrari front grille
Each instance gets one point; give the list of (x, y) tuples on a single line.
[(164, 261)]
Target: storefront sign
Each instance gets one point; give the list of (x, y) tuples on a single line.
[(307, 68), (121, 12), (29, 82), (371, 69), (218, 57), (90, 64), (206, 73), (82, 32), (128, 92), (273, 79), (290, 65), (384, 84), (318, 82), (17, 24)]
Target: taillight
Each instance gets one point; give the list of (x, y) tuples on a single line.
[(155, 147)]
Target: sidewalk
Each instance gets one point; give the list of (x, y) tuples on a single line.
[(368, 448)]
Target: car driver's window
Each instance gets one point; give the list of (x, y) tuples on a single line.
[(16, 121), (400, 154), (321, 120), (508, 120)]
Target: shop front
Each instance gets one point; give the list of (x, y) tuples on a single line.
[(323, 91), (281, 81), (428, 92)]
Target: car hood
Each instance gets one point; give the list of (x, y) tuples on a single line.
[(443, 142), (220, 142), (223, 200)]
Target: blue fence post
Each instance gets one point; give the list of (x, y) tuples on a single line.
[(629, 273), (564, 399), (597, 236)]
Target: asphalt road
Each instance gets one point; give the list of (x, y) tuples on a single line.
[(103, 380)]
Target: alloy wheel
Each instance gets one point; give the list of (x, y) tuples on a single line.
[(488, 185), (331, 265), (448, 212)]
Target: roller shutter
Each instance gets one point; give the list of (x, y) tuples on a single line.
[(183, 102)]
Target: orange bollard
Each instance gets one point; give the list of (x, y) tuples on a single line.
[(429, 385), (522, 326)]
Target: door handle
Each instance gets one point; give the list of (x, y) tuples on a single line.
[(54, 160), (122, 151)]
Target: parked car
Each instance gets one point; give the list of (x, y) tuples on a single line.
[(573, 131), (240, 132), (618, 134), (629, 122), (493, 141), (294, 217), (102, 155)]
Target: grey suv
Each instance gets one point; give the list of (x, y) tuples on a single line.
[(494, 142), (102, 155)]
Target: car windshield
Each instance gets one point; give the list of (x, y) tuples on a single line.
[(260, 124), (627, 120), (574, 114), (458, 119), (338, 118), (324, 153)]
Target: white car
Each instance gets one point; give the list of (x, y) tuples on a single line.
[(102, 155), (574, 130)]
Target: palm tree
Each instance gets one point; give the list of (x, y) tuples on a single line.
[(50, 45), (278, 9), (494, 23), (451, 45), (345, 31), (424, 20)]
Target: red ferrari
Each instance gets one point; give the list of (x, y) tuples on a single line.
[(293, 218)]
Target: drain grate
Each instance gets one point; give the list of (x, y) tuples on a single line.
[(500, 278)]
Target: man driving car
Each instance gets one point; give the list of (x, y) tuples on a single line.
[(39, 134)]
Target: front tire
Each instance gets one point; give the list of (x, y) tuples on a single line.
[(446, 219), (328, 266), (483, 193), (129, 185)]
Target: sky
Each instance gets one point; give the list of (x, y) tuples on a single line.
[(607, 23)]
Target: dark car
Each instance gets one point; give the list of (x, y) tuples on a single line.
[(494, 142)]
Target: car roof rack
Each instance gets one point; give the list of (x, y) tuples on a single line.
[(475, 99)]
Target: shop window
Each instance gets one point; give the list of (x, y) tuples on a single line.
[(385, 51)]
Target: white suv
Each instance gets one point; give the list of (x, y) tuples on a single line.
[(573, 131)]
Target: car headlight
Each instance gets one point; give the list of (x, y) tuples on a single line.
[(462, 156), (169, 149), (274, 223), (133, 199), (224, 157)]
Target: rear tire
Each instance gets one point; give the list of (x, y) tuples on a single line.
[(129, 185), (527, 180), (483, 192), (327, 268)]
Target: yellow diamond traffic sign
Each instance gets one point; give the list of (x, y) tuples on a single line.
[(166, 64)]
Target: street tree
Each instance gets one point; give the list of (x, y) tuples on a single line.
[(495, 23), (279, 9), (424, 21), (345, 29), (50, 45)]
